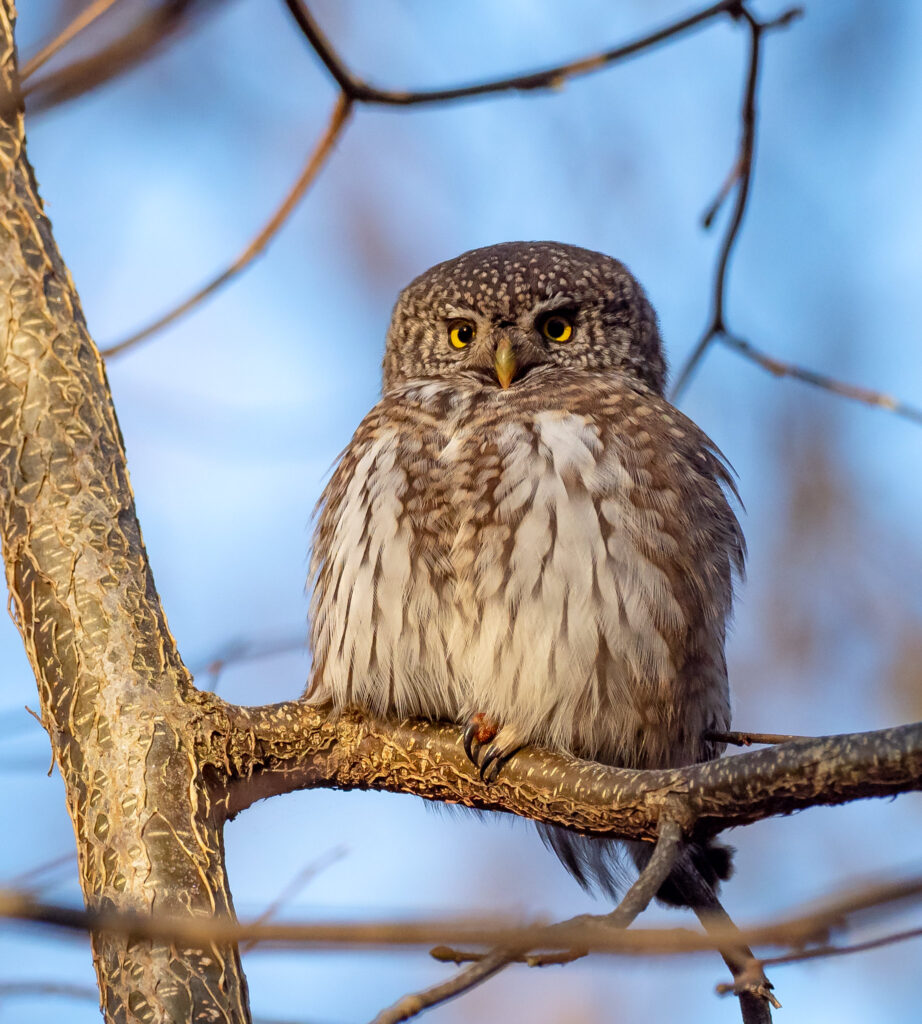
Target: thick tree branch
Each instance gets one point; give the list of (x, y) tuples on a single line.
[(279, 748)]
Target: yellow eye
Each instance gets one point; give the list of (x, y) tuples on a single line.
[(462, 333), (557, 327)]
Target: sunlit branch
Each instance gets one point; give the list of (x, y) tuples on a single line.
[(547, 78)]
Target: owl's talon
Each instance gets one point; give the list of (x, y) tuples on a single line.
[(471, 743), (494, 759)]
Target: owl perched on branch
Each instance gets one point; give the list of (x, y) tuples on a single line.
[(524, 536)]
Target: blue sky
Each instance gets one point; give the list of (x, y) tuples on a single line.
[(233, 416)]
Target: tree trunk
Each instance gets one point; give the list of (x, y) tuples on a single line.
[(84, 600)]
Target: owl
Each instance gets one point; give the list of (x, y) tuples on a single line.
[(525, 537)]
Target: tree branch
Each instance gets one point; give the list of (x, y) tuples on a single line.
[(78, 24), (791, 932), (552, 77), (282, 747), (315, 162)]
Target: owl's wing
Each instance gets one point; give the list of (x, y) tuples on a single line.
[(683, 521), (378, 602)]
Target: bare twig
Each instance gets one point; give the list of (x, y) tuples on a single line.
[(740, 178), (237, 652), (485, 965), (635, 901), (353, 90), (746, 739), (136, 45), (546, 78), (791, 933), (822, 952), (315, 162), (472, 975), (39, 987), (749, 981), (752, 969), (82, 21), (30, 878), (855, 392)]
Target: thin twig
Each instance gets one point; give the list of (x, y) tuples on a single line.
[(311, 169), (355, 90), (740, 178), (82, 21), (855, 392), (546, 78), (754, 967), (472, 975), (484, 965), (789, 933), (29, 879), (749, 982), (237, 652), (833, 951), (746, 739), (635, 901), (129, 50)]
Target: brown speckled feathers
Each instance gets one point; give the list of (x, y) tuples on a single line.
[(523, 528)]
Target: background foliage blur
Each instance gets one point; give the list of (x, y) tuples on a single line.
[(233, 416)]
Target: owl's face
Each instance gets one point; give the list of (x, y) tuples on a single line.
[(497, 314)]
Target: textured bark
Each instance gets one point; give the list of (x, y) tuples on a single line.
[(109, 676), (275, 749)]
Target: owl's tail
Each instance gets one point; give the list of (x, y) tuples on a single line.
[(600, 864)]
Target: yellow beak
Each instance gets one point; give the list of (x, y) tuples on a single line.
[(505, 363)]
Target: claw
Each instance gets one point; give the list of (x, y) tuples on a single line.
[(471, 743), (492, 764), (478, 730)]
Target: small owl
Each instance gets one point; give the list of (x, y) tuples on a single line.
[(524, 536)]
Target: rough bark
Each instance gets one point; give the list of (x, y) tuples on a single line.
[(111, 682), (263, 751)]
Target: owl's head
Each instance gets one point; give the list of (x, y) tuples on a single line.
[(500, 312)]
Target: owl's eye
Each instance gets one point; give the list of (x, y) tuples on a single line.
[(461, 333), (556, 327)]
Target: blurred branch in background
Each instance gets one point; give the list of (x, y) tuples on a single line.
[(139, 43), (237, 652), (793, 932)]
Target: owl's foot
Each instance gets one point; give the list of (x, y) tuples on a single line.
[(478, 730), (503, 742)]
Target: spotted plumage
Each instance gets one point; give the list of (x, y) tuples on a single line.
[(524, 530)]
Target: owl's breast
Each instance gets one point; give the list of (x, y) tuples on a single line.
[(517, 556), (565, 623)]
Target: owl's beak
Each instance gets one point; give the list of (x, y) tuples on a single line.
[(505, 363)]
